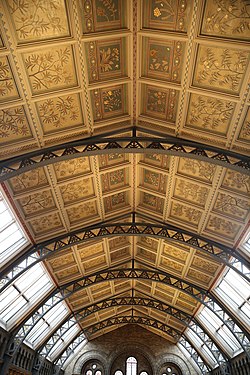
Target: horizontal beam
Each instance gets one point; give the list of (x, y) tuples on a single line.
[(168, 232), (124, 144)]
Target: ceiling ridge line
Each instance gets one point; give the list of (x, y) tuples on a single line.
[(98, 185), (243, 102), (59, 199), (184, 85), (170, 176), (82, 67), (24, 96), (208, 207)]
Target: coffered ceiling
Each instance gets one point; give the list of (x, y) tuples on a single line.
[(75, 69)]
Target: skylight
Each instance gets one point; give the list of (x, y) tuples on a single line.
[(63, 341), (12, 238), (45, 326), (20, 297)]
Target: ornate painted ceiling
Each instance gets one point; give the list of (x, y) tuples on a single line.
[(74, 69)]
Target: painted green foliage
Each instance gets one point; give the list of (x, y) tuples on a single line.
[(107, 10), (156, 101), (159, 57), (110, 58), (112, 100)]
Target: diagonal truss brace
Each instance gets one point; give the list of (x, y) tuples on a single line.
[(183, 317), (149, 143), (164, 231), (66, 291)]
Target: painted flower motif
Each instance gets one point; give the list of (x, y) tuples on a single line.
[(157, 12)]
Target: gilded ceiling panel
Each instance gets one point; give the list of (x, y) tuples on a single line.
[(231, 205), (164, 59), (154, 181), (82, 212), (156, 160), (109, 102), (115, 180), (14, 125), (121, 254), (68, 169), (116, 201), (164, 297), (245, 130), (159, 103), (100, 15), (176, 252), (188, 190), (148, 242), (29, 181), (90, 251), (226, 19), (199, 278), (152, 202), (35, 21), (76, 191), (117, 242), (61, 113), (199, 170), (209, 114), (184, 213), (236, 182), (145, 255), (67, 274), (37, 203), (110, 160), (106, 59), (225, 228), (50, 69), (165, 15), (209, 267), (92, 264), (46, 224), (171, 266), (65, 259), (220, 69), (8, 89)]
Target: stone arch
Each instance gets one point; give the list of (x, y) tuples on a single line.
[(130, 349), (85, 357), (175, 359)]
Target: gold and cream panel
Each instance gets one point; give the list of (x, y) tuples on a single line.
[(73, 193), (55, 80), (71, 69)]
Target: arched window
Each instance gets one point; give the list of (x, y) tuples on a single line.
[(131, 366), (93, 367), (118, 372), (170, 369)]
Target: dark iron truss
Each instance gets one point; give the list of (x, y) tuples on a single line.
[(69, 289), (184, 318), (139, 140), (136, 227)]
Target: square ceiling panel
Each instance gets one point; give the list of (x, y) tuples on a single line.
[(50, 69), (62, 113), (165, 15), (209, 114), (106, 59), (14, 125), (226, 21), (100, 15), (164, 59), (110, 102), (220, 69), (33, 22), (8, 88), (159, 103)]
